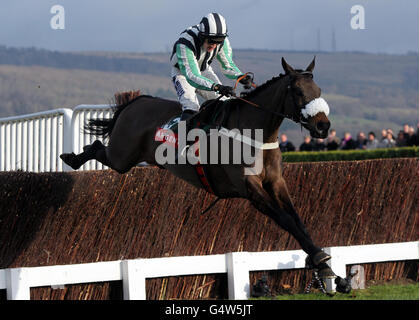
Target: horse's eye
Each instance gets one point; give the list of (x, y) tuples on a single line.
[(299, 93)]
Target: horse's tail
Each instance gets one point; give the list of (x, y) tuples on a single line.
[(104, 127)]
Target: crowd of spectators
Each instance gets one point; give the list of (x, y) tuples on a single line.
[(404, 138)]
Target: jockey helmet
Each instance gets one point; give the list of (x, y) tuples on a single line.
[(213, 27)]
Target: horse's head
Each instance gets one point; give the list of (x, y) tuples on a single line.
[(303, 101)]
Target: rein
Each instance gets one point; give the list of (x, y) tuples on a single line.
[(298, 120), (269, 145)]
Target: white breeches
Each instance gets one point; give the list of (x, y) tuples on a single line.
[(187, 93)]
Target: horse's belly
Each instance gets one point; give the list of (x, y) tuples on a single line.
[(186, 173)]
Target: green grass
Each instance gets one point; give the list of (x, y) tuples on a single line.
[(376, 292)]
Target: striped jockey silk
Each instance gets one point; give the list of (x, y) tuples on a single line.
[(191, 59)]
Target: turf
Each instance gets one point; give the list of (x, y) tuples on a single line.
[(375, 292)]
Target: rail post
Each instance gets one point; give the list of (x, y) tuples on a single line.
[(17, 284), (238, 275), (337, 264), (133, 279)]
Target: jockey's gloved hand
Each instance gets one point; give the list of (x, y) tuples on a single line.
[(246, 81), (223, 90)]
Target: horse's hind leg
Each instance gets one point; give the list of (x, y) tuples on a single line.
[(94, 151)]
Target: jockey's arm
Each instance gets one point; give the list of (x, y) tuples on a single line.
[(189, 68), (225, 57)]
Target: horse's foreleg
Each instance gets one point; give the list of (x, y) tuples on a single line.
[(275, 205), (278, 192)]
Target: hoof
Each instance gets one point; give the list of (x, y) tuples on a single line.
[(68, 159), (325, 272), (315, 260), (320, 257), (343, 285)]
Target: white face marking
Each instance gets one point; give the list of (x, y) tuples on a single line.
[(314, 107)]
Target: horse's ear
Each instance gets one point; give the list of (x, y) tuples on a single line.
[(287, 68), (310, 68)]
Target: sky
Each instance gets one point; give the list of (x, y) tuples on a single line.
[(390, 26)]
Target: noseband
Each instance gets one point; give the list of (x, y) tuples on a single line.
[(300, 119)]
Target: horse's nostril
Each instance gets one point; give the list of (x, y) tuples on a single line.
[(322, 125)]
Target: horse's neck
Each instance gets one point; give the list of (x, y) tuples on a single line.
[(272, 99)]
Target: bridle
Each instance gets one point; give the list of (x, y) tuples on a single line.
[(300, 119)]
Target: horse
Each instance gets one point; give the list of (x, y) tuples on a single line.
[(131, 140)]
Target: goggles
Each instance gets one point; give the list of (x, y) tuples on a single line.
[(216, 40)]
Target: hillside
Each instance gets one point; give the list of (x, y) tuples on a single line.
[(35, 88), (365, 91)]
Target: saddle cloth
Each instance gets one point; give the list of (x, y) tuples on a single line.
[(168, 133)]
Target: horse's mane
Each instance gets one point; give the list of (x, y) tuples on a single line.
[(261, 87)]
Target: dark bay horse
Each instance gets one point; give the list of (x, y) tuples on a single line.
[(132, 129)]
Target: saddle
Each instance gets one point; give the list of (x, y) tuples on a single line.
[(212, 115)]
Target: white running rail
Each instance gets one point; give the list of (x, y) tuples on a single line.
[(35, 141), (237, 265)]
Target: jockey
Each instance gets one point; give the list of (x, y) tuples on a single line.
[(192, 55)]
